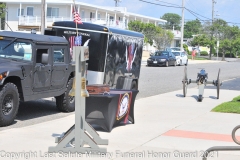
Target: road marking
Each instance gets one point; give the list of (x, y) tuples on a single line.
[(230, 79), (199, 135)]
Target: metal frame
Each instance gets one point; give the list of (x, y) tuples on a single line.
[(81, 133), (224, 148)]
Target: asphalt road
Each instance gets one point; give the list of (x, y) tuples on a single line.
[(158, 80), (153, 81)]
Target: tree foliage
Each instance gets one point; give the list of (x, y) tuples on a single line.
[(172, 20), (163, 39), (201, 40), (153, 34), (192, 28), (2, 14), (150, 31), (219, 30), (137, 26)]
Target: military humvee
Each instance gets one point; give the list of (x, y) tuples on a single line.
[(32, 67)]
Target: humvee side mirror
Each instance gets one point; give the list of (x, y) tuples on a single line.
[(44, 58)]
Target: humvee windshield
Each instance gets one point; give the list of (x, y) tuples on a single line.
[(15, 49)]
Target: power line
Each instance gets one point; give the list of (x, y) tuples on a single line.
[(169, 3), (197, 14), (117, 3), (192, 13), (193, 6), (177, 6), (160, 4)]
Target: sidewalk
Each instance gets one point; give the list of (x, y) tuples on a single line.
[(203, 61), (167, 126)]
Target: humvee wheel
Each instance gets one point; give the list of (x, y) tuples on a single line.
[(65, 102), (9, 104)]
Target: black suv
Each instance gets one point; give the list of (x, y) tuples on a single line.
[(32, 67)]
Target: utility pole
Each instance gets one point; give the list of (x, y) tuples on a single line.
[(117, 2), (211, 47), (43, 16), (182, 28)]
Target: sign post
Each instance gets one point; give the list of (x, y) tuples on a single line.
[(81, 133)]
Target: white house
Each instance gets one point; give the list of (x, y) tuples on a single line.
[(25, 15)]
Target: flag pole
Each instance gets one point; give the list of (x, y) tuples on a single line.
[(75, 11)]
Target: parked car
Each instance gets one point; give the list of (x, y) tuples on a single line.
[(162, 58), (175, 49), (181, 57)]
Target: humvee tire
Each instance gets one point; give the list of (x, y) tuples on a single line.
[(65, 102), (9, 103)]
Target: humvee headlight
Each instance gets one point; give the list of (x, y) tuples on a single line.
[(3, 75)]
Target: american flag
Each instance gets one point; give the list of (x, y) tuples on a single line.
[(130, 58), (76, 16)]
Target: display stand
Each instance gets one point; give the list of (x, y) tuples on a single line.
[(81, 137)]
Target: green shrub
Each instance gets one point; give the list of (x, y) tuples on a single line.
[(204, 53), (227, 55)]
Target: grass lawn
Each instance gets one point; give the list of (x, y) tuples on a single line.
[(197, 58), (229, 107)]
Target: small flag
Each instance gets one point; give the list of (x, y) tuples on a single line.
[(76, 16), (78, 40)]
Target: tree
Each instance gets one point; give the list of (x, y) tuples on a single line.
[(201, 40), (163, 39), (225, 45), (236, 45), (137, 26), (192, 28), (2, 15), (152, 34), (172, 20), (150, 30)]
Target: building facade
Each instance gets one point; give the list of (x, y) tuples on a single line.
[(26, 14)]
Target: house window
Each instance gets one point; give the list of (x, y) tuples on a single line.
[(22, 12), (58, 56), (92, 15), (52, 12), (82, 14), (111, 17), (29, 11)]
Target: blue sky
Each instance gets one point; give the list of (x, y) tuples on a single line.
[(228, 10)]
